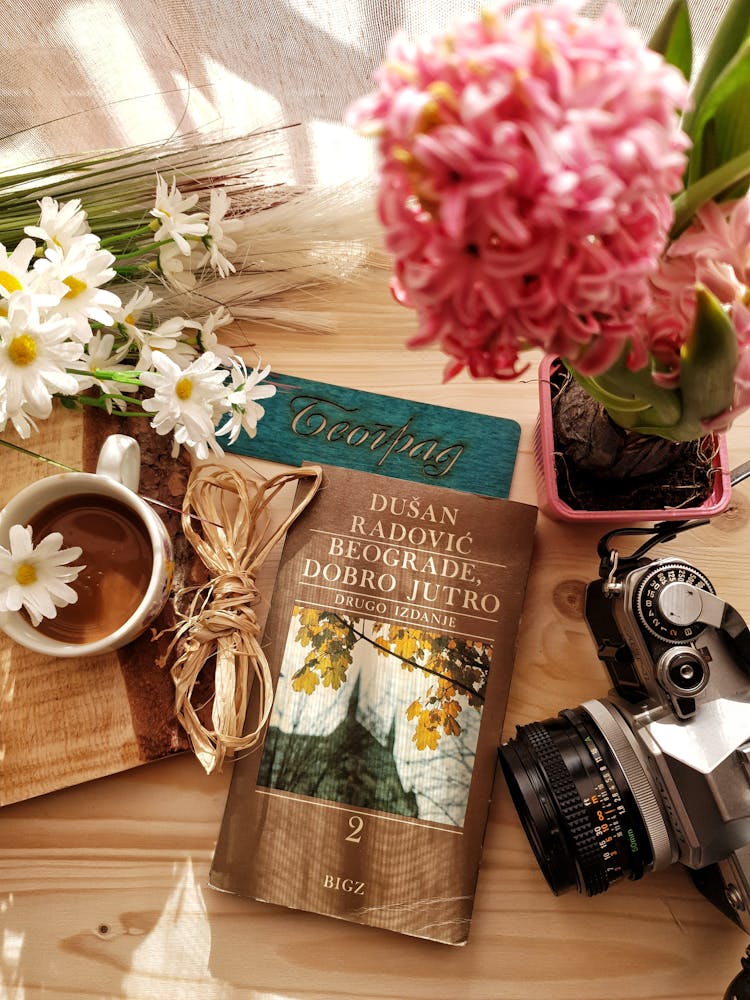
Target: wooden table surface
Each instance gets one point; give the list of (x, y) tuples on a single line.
[(103, 886)]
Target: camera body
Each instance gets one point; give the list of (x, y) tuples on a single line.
[(676, 655), (658, 772)]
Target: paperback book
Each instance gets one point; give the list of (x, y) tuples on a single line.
[(391, 638)]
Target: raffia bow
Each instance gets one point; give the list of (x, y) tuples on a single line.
[(221, 621)]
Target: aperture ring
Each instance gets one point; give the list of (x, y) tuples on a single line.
[(621, 744)]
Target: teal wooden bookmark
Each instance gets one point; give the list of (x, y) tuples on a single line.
[(310, 421)]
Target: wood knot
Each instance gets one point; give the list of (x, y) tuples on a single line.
[(736, 515), (568, 598)]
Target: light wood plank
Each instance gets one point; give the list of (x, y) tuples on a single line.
[(102, 886)]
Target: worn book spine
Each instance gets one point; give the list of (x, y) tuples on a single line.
[(391, 639)]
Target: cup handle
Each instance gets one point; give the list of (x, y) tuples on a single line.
[(120, 459)]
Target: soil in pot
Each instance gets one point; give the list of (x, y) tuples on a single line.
[(601, 466)]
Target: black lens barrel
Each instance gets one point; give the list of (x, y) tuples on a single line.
[(575, 804)]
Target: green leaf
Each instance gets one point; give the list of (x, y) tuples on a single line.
[(673, 38), (632, 398), (712, 186), (731, 33), (708, 360), (609, 399), (727, 108)]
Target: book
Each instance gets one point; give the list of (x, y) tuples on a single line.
[(391, 638), (332, 424)]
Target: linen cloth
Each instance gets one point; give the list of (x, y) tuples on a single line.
[(79, 75)]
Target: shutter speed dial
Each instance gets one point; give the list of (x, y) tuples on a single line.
[(667, 602)]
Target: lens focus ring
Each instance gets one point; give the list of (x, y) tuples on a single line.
[(572, 811), (576, 804)]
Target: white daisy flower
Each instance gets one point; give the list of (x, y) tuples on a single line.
[(167, 338), (16, 275), (207, 339), (177, 269), (59, 225), (100, 355), (37, 578), (127, 316), (188, 401), (217, 238), (34, 355), (244, 389), (83, 268), (171, 210)]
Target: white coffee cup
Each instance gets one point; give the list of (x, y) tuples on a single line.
[(117, 476)]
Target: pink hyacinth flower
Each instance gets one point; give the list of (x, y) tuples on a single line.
[(527, 166), (715, 252)]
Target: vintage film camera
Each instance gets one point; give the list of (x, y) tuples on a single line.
[(659, 772)]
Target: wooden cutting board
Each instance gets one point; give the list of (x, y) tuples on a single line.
[(67, 721)]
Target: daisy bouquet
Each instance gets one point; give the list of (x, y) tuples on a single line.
[(112, 269), (550, 181), (118, 271), (66, 332)]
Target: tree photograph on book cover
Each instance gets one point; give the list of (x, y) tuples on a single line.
[(376, 715)]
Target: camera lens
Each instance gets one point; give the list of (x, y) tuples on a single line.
[(585, 800)]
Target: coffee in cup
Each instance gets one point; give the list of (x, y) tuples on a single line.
[(126, 552)]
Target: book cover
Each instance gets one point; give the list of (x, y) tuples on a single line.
[(390, 638), (308, 421)]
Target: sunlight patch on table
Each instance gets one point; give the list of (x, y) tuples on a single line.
[(176, 952), (11, 951)]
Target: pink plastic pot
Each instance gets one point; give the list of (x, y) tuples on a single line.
[(559, 510)]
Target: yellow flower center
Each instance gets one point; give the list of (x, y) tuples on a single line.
[(402, 70), (489, 19), (130, 318), (22, 350), (403, 156), (444, 92), (75, 285), (9, 282), (184, 388), (429, 117), (25, 574)]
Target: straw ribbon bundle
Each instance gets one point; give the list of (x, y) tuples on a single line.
[(233, 541)]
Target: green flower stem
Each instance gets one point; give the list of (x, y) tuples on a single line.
[(143, 250), (126, 236), (127, 272), (709, 187), (106, 376), (101, 403)]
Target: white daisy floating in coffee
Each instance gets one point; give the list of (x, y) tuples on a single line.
[(108, 590), (36, 578)]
